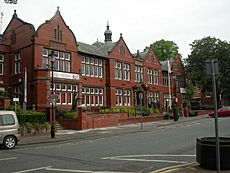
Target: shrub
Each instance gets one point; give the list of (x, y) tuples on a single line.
[(32, 117), (47, 126), (36, 127), (29, 127), (70, 115)]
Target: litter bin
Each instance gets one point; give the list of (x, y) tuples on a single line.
[(206, 152)]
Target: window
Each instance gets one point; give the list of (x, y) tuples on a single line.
[(62, 62), (119, 97), (165, 79), (127, 97), (126, 72), (150, 76), (118, 71), (58, 33), (153, 77), (153, 99), (92, 96), (7, 119), (91, 67), (1, 64), (64, 92), (17, 60), (138, 74)]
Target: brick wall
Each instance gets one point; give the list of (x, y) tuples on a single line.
[(92, 121)]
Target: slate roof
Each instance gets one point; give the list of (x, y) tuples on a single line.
[(105, 47), (142, 55), (90, 49), (164, 64)]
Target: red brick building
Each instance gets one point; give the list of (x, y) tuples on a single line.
[(100, 75)]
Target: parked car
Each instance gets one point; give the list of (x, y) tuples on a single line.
[(9, 129), (222, 112)]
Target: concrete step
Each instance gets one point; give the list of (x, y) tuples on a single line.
[(59, 127)]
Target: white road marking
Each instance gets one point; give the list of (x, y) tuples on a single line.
[(9, 158), (147, 160), (32, 170), (153, 155), (138, 159), (81, 171)]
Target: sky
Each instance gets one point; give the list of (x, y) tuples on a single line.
[(141, 22)]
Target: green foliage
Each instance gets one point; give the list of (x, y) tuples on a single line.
[(66, 114), (29, 127), (202, 50), (130, 111), (18, 108), (37, 127), (190, 91), (164, 49), (32, 117), (70, 115), (47, 126), (3, 95)]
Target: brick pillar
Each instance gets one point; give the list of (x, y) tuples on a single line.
[(6, 103), (82, 118)]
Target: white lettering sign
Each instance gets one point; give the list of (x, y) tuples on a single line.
[(63, 75), (16, 99)]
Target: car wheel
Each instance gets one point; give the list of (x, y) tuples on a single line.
[(9, 142)]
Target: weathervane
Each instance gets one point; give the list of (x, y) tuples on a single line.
[(11, 1)]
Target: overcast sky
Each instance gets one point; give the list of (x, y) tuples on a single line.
[(141, 22)]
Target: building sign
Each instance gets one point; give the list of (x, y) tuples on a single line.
[(71, 76), (182, 91)]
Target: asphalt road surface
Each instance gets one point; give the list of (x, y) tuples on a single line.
[(146, 150)]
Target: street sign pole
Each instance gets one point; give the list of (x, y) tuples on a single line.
[(140, 95), (212, 70)]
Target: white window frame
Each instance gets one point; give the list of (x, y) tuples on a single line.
[(17, 63), (1, 64)]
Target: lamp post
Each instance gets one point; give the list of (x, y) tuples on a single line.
[(52, 59)]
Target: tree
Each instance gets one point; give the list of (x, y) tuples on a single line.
[(164, 49), (204, 49), (190, 91)]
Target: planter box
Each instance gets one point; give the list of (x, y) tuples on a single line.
[(206, 152)]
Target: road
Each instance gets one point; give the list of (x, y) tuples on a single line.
[(155, 147)]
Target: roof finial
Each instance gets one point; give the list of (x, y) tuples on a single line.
[(15, 14), (58, 11)]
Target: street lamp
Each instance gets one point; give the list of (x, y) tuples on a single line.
[(52, 59)]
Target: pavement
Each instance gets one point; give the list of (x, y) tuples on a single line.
[(67, 135)]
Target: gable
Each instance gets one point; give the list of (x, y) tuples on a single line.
[(16, 30), (56, 29), (178, 65), (121, 49), (152, 58)]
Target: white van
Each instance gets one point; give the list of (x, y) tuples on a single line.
[(9, 129)]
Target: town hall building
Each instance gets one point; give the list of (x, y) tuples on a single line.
[(103, 74)]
